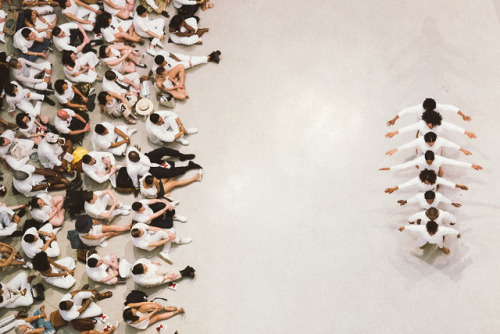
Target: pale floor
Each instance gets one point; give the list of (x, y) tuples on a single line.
[(292, 231)]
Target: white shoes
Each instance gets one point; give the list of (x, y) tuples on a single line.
[(181, 219), (182, 241), (192, 131), (126, 207), (165, 257), (182, 141), (125, 212)]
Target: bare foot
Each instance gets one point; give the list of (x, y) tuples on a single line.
[(181, 310), (445, 250)]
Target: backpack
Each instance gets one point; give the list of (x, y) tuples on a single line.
[(136, 296), (74, 203)]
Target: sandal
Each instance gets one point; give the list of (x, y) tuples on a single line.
[(130, 121)]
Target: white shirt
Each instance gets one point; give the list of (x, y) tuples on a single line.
[(423, 146), (162, 133), (62, 43), (143, 241), (99, 166), (31, 249), (422, 127), (77, 300), (145, 216), (22, 43), (422, 164), (25, 186), (98, 207), (151, 192), (103, 142), (98, 273), (432, 239), (67, 95), (179, 3), (137, 169), (4, 150), (112, 86), (63, 126), (49, 154), (443, 216), (141, 25), (421, 186), (150, 278), (10, 227), (31, 129), (20, 96), (43, 214), (24, 75), (420, 199), (418, 110)]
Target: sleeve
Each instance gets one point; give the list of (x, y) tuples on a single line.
[(416, 216), (186, 2), (448, 216), (452, 162), (132, 173), (447, 143), (16, 164), (93, 175), (163, 134), (62, 99), (411, 144), (443, 199), (414, 228), (152, 4), (413, 199), (445, 182), (119, 76), (410, 183), (405, 165), (54, 159), (452, 127), (446, 108), (411, 127), (411, 110), (448, 230), (63, 46), (8, 230), (80, 296)]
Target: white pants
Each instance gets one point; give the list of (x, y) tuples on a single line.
[(106, 198), (26, 106), (156, 26), (53, 249), (20, 282), (120, 150), (34, 71), (11, 228), (92, 311), (84, 59), (63, 282), (187, 40), (83, 12), (162, 235)]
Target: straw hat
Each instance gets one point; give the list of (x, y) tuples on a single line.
[(144, 107)]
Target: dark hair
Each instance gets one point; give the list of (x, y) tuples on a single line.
[(3, 56), (102, 51), (92, 262), (87, 195), (154, 117), (58, 86), (102, 98), (110, 75), (431, 227), (64, 305), (176, 22), (129, 316), (133, 156), (429, 194), (160, 70), (29, 238), (19, 120), (136, 233), (25, 32), (432, 117), (33, 203), (27, 16), (62, 4), (138, 269), (136, 206), (430, 137), (159, 60), (432, 213), (429, 104), (141, 9), (13, 62), (149, 179), (100, 129), (9, 89), (428, 175), (102, 21), (2, 140), (41, 262), (86, 159), (66, 58), (429, 155), (56, 31)]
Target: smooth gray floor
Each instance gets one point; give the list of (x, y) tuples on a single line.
[(292, 231)]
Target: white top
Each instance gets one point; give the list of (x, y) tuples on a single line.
[(49, 154), (112, 86), (20, 96), (141, 24), (98, 273), (438, 162), (143, 241), (103, 142), (63, 126), (150, 278), (10, 226), (140, 325), (98, 167), (162, 133), (140, 168), (179, 3), (419, 110), (73, 313), (116, 54), (423, 146), (67, 95), (95, 230), (31, 249), (25, 186), (4, 150), (31, 129), (420, 199), (24, 75), (443, 216), (22, 43), (62, 43), (98, 207), (422, 127), (145, 216), (72, 9), (151, 192), (43, 214), (421, 186), (432, 239)]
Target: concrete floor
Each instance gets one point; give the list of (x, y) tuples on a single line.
[(292, 231)]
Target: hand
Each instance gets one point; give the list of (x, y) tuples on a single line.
[(402, 202), (391, 152), (401, 229), (456, 205), (52, 236), (477, 167), (87, 127), (391, 134), (161, 37), (28, 95), (43, 55), (85, 99), (458, 236), (390, 190), (466, 152), (391, 122), (171, 276), (466, 118), (470, 134), (462, 187), (86, 40), (385, 168), (83, 106)]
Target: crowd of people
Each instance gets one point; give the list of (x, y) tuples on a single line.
[(432, 222), (94, 41)]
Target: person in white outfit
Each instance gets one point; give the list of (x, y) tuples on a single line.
[(431, 121), (149, 237), (31, 74), (428, 104), (93, 233), (122, 9), (7, 140), (17, 293), (71, 36), (81, 12), (116, 105), (428, 200), (99, 166), (165, 126), (429, 142), (43, 240), (431, 233), (71, 125), (31, 181), (20, 98), (147, 28), (142, 315), (427, 180), (80, 68), (47, 208), (52, 151), (107, 269), (58, 273), (31, 43), (121, 58), (110, 138), (149, 274), (42, 19), (126, 85), (9, 219), (190, 7), (434, 214), (185, 31), (97, 203), (115, 30), (32, 127), (170, 60), (72, 305)]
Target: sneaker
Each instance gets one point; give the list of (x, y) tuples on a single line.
[(214, 57), (166, 258), (182, 141), (142, 65), (181, 219), (183, 241), (28, 265), (165, 13), (192, 131), (126, 207)]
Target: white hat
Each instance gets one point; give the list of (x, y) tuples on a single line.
[(144, 107), (51, 138)]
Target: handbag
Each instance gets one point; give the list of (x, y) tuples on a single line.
[(166, 99), (85, 324), (56, 320), (9, 27)]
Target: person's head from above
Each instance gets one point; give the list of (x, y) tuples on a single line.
[(429, 196), (429, 157), (134, 156), (64, 3), (138, 207), (23, 329), (88, 160), (156, 119), (104, 98), (160, 60), (22, 120), (139, 269), (161, 72), (102, 21), (101, 129), (14, 63), (136, 232), (41, 262), (432, 118), (428, 176), (30, 238), (63, 114), (430, 138), (37, 203), (432, 213), (142, 11), (57, 32), (176, 22), (29, 15), (28, 34), (68, 58), (129, 315), (104, 51), (429, 104), (3, 56), (4, 141), (66, 305), (60, 86), (94, 262), (20, 175), (89, 196), (149, 180), (110, 75), (11, 89), (84, 223), (53, 139), (432, 227)]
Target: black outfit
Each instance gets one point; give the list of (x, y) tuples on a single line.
[(166, 220), (76, 38), (188, 10), (161, 172)]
